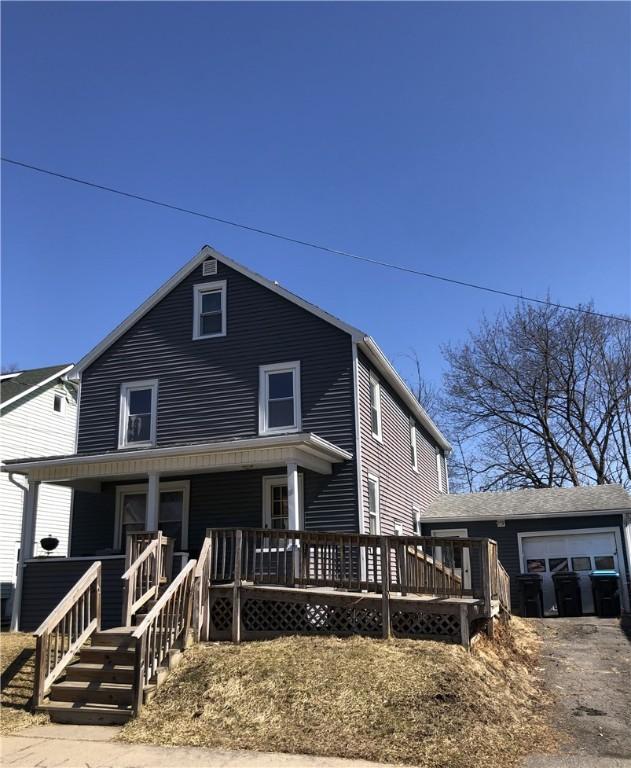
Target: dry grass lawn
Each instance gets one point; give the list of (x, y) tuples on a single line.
[(410, 701), (17, 657)]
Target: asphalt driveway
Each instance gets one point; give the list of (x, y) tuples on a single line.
[(587, 667)]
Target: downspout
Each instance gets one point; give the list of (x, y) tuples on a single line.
[(17, 592)]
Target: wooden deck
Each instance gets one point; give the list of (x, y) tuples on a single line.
[(269, 583)]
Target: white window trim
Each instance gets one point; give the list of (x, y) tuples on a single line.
[(414, 445), (439, 471), (294, 367), (198, 291), (62, 398), (266, 512), (398, 528), (175, 485), (126, 388), (416, 520), (374, 382), (374, 479)]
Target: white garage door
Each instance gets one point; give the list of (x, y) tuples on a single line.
[(558, 552)]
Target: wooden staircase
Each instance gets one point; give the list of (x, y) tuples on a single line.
[(87, 676)]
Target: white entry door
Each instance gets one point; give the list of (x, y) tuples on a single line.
[(560, 552), (462, 563)]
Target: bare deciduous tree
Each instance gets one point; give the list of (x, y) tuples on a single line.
[(541, 397)]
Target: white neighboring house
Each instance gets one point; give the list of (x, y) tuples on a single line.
[(38, 417)]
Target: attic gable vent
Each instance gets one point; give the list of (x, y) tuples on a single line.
[(209, 267)]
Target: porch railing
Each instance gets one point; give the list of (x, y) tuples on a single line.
[(356, 562), (201, 607), (150, 568), (65, 630), (166, 625)]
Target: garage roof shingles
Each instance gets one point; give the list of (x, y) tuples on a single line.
[(529, 502)]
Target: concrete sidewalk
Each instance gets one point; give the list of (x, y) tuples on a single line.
[(92, 746)]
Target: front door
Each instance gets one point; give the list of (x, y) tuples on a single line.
[(560, 553), (461, 562), (172, 517)]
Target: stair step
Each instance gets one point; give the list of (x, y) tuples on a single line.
[(78, 691), (104, 654), (86, 714), (118, 637), (104, 673)]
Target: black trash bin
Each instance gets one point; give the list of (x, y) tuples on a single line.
[(568, 593), (530, 595), (606, 591)]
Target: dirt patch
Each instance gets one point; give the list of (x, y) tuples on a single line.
[(17, 658), (587, 668), (409, 701)]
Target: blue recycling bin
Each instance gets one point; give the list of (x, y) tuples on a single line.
[(606, 591)]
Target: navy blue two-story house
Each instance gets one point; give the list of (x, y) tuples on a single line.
[(225, 400)]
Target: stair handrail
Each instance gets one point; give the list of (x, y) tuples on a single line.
[(141, 581), (167, 622), (65, 630), (503, 588), (201, 608)]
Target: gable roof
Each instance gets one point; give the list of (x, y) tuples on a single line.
[(367, 344), (15, 386), (529, 502)]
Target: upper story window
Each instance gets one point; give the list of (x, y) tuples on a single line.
[(59, 403), (138, 413), (375, 408), (416, 519), (439, 471), (413, 446), (209, 310), (373, 505), (279, 398)]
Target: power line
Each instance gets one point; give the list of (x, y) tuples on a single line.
[(306, 243)]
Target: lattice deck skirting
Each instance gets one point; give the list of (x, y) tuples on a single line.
[(264, 615)]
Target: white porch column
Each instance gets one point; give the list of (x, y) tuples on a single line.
[(27, 545), (153, 502), (293, 497)]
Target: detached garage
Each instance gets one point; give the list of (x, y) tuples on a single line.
[(546, 531)]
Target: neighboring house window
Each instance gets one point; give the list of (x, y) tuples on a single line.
[(439, 470), (275, 501), (59, 403), (375, 408), (413, 448), (279, 398), (373, 505), (138, 413), (416, 519), (398, 528), (209, 310)]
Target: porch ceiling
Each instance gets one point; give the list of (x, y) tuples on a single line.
[(305, 449)]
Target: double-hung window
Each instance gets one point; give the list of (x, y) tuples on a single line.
[(138, 402), (279, 398), (373, 505), (413, 448), (416, 519), (439, 471), (375, 408), (209, 310)]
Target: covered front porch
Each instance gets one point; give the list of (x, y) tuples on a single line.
[(280, 482)]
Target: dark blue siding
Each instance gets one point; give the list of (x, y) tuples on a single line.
[(507, 546), (208, 389)]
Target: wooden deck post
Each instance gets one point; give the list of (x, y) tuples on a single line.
[(385, 588), (486, 576), (236, 589), (465, 639)]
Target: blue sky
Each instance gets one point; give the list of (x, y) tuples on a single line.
[(486, 142)]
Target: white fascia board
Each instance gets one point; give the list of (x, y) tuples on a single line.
[(306, 440), (534, 516), (372, 351), (205, 253), (57, 375)]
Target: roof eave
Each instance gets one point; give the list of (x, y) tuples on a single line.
[(57, 375), (530, 516)]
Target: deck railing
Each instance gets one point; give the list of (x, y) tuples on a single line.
[(201, 608), (65, 630), (151, 567), (446, 567), (163, 628)]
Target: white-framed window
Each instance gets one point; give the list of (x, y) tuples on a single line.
[(375, 408), (413, 446), (398, 528), (279, 398), (138, 406), (275, 502), (209, 310), (416, 520), (59, 403), (439, 471), (131, 511), (374, 523)]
